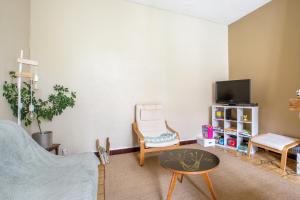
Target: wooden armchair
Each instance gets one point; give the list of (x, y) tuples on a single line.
[(150, 123)]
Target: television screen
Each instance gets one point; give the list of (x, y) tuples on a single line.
[(233, 92)]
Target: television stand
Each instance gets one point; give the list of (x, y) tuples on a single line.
[(241, 104), (248, 104), (230, 104), (234, 126)]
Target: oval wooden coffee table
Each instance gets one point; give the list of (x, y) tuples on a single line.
[(189, 161)]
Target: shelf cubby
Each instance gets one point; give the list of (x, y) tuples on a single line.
[(220, 139), (228, 124), (218, 124), (218, 113), (231, 123), (242, 144), (229, 139), (231, 114), (246, 116)]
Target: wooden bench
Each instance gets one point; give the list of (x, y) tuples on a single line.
[(276, 143)]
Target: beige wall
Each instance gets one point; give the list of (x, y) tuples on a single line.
[(265, 47), (115, 54), (14, 36)]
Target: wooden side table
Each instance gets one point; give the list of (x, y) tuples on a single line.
[(54, 147)]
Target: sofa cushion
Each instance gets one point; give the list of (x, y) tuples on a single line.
[(27, 171), (273, 140)]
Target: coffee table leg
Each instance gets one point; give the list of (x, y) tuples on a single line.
[(172, 185), (210, 186), (180, 178)]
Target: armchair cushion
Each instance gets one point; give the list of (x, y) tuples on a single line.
[(165, 137), (150, 120), (161, 144), (151, 115)]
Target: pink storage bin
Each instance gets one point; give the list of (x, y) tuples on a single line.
[(207, 131)]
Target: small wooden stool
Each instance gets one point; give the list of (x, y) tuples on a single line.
[(276, 143)]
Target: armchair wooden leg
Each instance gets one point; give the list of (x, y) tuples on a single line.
[(249, 149), (142, 154)]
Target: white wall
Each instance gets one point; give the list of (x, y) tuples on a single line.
[(14, 36), (115, 54)]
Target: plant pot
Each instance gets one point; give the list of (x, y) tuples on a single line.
[(45, 139)]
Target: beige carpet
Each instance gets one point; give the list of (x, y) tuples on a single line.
[(234, 179)]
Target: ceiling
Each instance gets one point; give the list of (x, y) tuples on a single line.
[(219, 11)]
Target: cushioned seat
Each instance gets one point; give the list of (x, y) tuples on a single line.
[(274, 141), (152, 130), (161, 144)]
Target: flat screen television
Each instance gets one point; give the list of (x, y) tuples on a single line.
[(233, 92)]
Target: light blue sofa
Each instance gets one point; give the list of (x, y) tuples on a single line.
[(29, 172)]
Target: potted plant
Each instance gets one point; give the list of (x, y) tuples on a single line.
[(55, 104)]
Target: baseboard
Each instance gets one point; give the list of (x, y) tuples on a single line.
[(184, 142), (135, 149), (126, 150)]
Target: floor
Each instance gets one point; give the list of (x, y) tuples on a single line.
[(265, 163), (270, 162)]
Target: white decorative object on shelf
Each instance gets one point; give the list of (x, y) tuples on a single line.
[(298, 93), (234, 126)]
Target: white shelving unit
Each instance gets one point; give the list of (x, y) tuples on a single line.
[(234, 123)]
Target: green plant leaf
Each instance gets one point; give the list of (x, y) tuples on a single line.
[(56, 103)]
